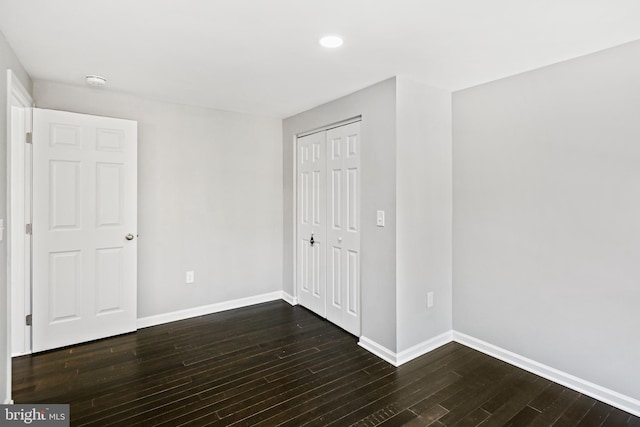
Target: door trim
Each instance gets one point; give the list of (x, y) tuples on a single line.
[(327, 127), (15, 90), (293, 299)]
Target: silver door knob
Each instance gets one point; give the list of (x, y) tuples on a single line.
[(129, 236), (339, 239)]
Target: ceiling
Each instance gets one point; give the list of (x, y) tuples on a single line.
[(262, 56)]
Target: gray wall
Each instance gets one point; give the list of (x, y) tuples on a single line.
[(377, 105), (423, 192), (8, 60), (210, 197), (547, 216)]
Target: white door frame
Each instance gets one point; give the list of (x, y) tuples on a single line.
[(16, 185), (294, 241)]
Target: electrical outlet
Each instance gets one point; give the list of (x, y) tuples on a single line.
[(190, 277), (429, 299)]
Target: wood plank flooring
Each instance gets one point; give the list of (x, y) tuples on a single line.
[(273, 364)]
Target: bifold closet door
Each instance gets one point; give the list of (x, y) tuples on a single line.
[(311, 253), (343, 227), (328, 232)]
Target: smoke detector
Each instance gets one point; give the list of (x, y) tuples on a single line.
[(96, 81)]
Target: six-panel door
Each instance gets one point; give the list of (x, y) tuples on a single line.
[(311, 252), (343, 227), (84, 206)]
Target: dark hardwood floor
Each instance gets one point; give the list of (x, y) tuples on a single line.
[(273, 364)]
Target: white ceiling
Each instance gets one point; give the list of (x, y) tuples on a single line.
[(262, 56)]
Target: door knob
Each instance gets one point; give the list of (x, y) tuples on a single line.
[(339, 239), (129, 236), (311, 241)]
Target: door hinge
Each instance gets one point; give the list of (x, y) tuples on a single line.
[(29, 229), (29, 319), (29, 138)]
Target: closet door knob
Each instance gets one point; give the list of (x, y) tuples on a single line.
[(129, 236)]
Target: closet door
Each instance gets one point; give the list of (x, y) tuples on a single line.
[(328, 267), (343, 227), (311, 211)]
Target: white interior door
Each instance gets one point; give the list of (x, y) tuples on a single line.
[(84, 228), (343, 227), (328, 200), (311, 222)]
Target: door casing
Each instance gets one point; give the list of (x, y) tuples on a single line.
[(19, 122), (17, 191)]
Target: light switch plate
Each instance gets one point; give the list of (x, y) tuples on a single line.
[(380, 218)]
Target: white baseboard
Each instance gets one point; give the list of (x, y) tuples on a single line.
[(424, 347), (626, 403), (23, 353), (159, 319), (611, 397), (8, 402), (289, 298), (397, 359), (379, 350)]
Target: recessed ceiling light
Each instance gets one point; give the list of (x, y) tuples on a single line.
[(96, 81), (331, 41)]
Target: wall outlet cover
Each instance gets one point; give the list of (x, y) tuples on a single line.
[(190, 277)]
